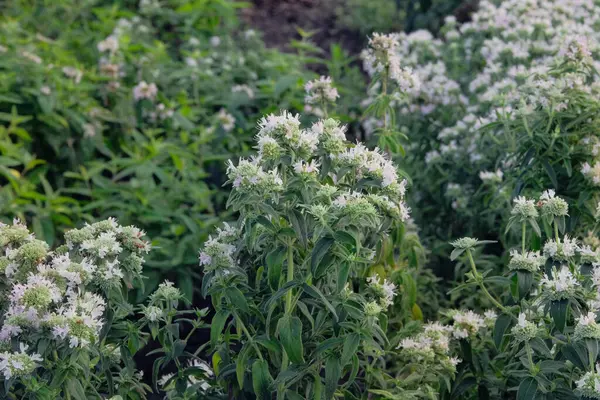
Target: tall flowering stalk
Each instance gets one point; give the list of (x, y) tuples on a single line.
[(394, 83), (297, 308)]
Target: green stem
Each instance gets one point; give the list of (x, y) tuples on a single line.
[(524, 228), (190, 334), (288, 304), (290, 277), (530, 358), (241, 323), (556, 231), (482, 286)]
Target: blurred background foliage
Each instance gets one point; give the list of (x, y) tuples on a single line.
[(76, 145)]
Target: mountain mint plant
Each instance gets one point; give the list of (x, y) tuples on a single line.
[(299, 310)]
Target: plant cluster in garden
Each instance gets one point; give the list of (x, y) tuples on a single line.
[(524, 72), (67, 329), (544, 341), (102, 116), (299, 310)]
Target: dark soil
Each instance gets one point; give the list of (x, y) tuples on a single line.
[(279, 21)]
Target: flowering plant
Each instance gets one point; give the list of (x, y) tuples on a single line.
[(66, 327), (299, 310), (544, 341)]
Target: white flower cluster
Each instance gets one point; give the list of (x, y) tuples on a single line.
[(382, 56), (54, 291), (529, 261), (430, 346), (560, 285), (491, 177), (502, 58), (587, 327), (219, 252), (226, 120), (524, 330), (553, 206), (320, 91), (18, 364), (144, 90), (588, 385), (386, 291), (524, 208), (561, 250), (202, 385), (466, 323)]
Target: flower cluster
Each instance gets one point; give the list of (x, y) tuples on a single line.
[(560, 285), (524, 330), (430, 348), (528, 261), (320, 91), (386, 291), (54, 291), (588, 385), (466, 323)]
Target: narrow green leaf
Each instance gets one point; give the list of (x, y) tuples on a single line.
[(351, 343), (274, 262), (527, 389), (317, 294), (261, 380), (217, 325), (290, 334), (333, 372)]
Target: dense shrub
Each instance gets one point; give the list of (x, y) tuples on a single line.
[(130, 111), (464, 120)]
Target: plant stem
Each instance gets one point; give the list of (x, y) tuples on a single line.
[(482, 286), (524, 228), (241, 323), (288, 303), (556, 231), (290, 277), (529, 358)]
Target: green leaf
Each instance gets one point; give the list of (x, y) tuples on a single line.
[(503, 323), (524, 280), (319, 251), (456, 253), (261, 380), (576, 354), (240, 364), (351, 343), (237, 298), (527, 389), (75, 389), (316, 293), (551, 173), (274, 262), (333, 372), (217, 325), (558, 311), (290, 334)]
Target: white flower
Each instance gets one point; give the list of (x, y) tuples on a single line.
[(226, 120), (144, 90), (386, 291), (561, 285), (110, 44), (529, 261), (491, 177), (320, 91), (302, 167)]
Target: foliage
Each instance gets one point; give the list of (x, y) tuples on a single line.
[(300, 282), (105, 117), (68, 331)]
